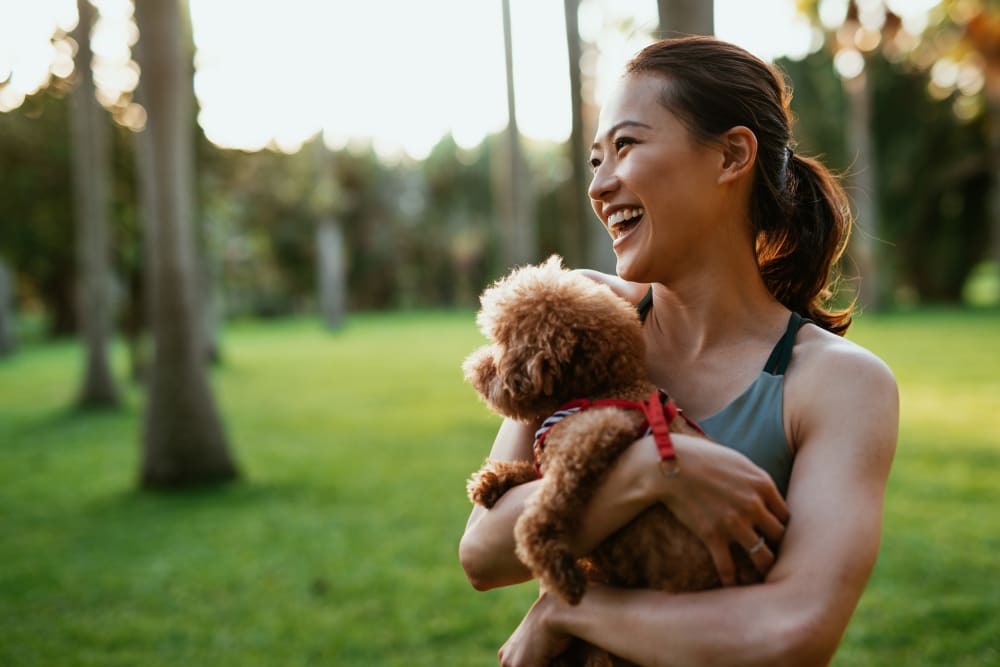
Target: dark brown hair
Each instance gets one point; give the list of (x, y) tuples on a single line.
[(799, 211)]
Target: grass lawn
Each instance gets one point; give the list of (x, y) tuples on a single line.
[(339, 545)]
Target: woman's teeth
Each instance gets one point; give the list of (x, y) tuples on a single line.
[(624, 216)]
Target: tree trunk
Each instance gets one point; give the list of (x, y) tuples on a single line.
[(574, 239), (863, 193), (7, 341), (584, 241), (686, 17), (90, 152), (140, 329), (331, 267), (515, 199), (993, 122), (184, 440), (212, 305)]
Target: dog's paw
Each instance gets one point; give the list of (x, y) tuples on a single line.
[(484, 488)]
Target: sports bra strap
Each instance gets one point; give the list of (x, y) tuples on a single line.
[(781, 355), (777, 363), (644, 305)]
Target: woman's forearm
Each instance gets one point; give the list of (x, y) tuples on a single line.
[(750, 625), (487, 548)]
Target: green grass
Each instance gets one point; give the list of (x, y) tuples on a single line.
[(339, 545)]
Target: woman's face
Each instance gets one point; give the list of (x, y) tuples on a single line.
[(654, 187)]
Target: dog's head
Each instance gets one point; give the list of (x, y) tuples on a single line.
[(556, 335)]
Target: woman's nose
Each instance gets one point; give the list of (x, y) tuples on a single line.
[(603, 183)]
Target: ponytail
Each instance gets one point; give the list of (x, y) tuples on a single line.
[(797, 249)]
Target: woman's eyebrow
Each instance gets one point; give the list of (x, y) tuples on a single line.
[(624, 123)]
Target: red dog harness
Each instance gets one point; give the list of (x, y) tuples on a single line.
[(658, 410)]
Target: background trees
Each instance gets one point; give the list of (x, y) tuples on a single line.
[(184, 441), (91, 153), (912, 141), (431, 232)]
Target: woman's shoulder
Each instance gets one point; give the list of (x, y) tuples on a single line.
[(832, 378), (821, 353), (631, 292)]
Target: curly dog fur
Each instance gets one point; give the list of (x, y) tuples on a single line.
[(558, 336)]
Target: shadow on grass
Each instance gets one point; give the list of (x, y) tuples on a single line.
[(234, 494), (46, 424)]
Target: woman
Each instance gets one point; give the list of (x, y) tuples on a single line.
[(723, 237)]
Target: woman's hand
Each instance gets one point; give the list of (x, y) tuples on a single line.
[(535, 641), (723, 498)]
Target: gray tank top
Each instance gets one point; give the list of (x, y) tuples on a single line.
[(752, 424)]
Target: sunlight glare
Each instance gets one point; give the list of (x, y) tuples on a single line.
[(10, 98), (392, 75), (832, 13), (849, 63), (767, 28), (26, 49)]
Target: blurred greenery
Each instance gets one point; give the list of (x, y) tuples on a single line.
[(426, 233), (932, 171), (416, 233), (340, 545)]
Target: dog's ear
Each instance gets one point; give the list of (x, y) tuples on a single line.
[(508, 390), (527, 380), (542, 374), (481, 371)]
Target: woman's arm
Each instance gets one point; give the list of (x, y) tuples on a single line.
[(846, 424), (720, 495), (487, 547)]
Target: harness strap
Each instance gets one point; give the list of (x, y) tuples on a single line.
[(659, 411)]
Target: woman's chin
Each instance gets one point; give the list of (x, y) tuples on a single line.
[(627, 269)]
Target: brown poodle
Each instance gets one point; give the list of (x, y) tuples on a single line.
[(559, 337)]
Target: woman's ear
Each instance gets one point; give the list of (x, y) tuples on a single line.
[(739, 152)]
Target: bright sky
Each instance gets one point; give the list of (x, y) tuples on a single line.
[(397, 72)]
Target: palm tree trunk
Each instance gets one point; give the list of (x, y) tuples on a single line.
[(993, 121), (184, 440), (864, 192), (574, 244), (330, 252), (91, 142), (686, 17), (584, 241), (515, 200), (7, 341)]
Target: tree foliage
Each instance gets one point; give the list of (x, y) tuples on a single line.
[(427, 233)]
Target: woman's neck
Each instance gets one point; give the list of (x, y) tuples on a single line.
[(720, 305)]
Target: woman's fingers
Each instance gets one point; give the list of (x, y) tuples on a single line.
[(758, 550), (723, 560), (771, 528), (728, 502), (775, 503)]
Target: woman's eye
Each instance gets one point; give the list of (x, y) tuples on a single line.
[(594, 163), (622, 142)]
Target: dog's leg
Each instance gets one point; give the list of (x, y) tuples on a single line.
[(495, 478), (578, 453)]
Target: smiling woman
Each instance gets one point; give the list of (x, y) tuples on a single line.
[(724, 239)]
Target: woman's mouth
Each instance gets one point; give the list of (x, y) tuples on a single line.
[(623, 221)]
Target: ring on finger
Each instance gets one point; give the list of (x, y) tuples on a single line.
[(757, 546)]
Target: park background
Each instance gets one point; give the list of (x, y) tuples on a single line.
[(240, 250)]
